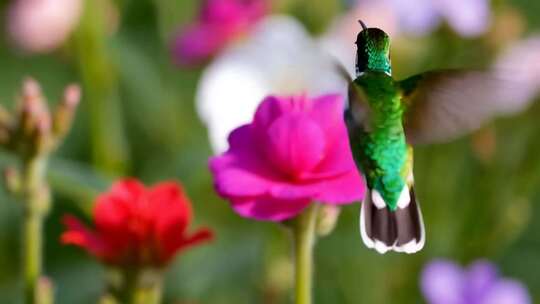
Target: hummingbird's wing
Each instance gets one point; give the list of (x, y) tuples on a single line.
[(357, 110), (443, 105)]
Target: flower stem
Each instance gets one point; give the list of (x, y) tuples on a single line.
[(100, 82), (32, 258), (139, 287), (149, 294), (37, 201), (304, 240)]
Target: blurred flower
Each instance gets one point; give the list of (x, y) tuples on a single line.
[(278, 58), (508, 25), (444, 282), (137, 226), (39, 26), (219, 23), (399, 17), (520, 64), (294, 152), (469, 18)]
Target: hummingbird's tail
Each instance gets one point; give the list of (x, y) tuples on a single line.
[(401, 230)]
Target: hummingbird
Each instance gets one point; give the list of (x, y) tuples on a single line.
[(385, 118)]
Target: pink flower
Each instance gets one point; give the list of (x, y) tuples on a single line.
[(39, 26), (294, 152), (137, 226), (219, 22)]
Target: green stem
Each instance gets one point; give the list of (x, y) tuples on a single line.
[(100, 83), (37, 201), (32, 252), (139, 287), (149, 294), (304, 240)]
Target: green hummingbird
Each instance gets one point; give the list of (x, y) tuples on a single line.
[(386, 117)]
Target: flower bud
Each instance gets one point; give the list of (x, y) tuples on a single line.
[(45, 291), (32, 107), (6, 125), (12, 180), (327, 218), (63, 116), (33, 131), (42, 141)]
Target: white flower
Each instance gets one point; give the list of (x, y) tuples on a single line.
[(278, 58)]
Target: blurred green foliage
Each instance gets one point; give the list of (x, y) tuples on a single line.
[(480, 195)]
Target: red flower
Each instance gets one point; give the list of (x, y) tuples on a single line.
[(137, 226)]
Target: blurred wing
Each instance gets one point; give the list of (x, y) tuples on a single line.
[(356, 108), (342, 71), (357, 121), (443, 105), (357, 112)]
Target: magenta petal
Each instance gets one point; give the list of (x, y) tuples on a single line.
[(345, 189), (327, 111), (296, 144), (234, 181), (198, 43), (338, 158), (269, 110), (506, 292), (240, 171), (269, 209), (290, 191), (233, 12), (223, 11), (442, 283)]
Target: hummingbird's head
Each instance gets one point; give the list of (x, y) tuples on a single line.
[(373, 50)]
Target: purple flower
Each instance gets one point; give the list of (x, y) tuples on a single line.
[(294, 152), (468, 18), (444, 282), (219, 22)]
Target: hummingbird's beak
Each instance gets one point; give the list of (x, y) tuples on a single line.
[(364, 27)]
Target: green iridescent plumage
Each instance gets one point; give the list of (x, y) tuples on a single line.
[(390, 217), (381, 149), (385, 117)]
